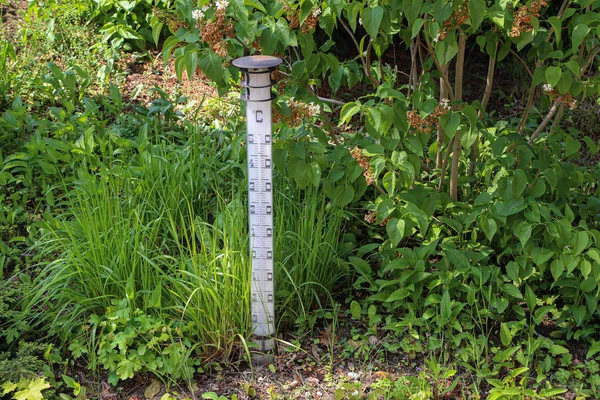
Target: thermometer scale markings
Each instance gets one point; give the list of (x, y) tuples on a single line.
[(260, 188)]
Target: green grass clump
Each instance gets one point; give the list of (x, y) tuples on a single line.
[(308, 230), (141, 232)]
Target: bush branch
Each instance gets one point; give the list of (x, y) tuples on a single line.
[(547, 119)]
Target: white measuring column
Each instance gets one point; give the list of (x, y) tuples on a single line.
[(257, 83)]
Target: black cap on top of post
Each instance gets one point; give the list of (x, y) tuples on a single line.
[(257, 62)]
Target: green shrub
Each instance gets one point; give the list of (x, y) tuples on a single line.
[(131, 25), (24, 363)]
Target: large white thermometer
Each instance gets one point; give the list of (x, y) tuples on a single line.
[(257, 83)]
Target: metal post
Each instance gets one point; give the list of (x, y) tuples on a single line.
[(257, 83)]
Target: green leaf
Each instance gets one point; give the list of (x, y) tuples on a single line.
[(588, 284), (8, 387), (47, 167), (361, 265), (156, 29), (572, 146), (414, 145), (212, 65), (519, 183), (564, 85), (240, 11), (389, 182), (553, 75), (552, 393), (539, 75), (581, 242), (384, 209), (458, 258), (395, 230), (398, 294), (512, 290), (564, 229), (353, 11), (524, 233), (128, 367), (371, 18), (557, 349), (372, 311), (33, 391), (579, 313), (416, 28), (374, 118), (477, 10), (571, 262), (355, 309), (335, 79), (168, 46), (537, 188), (70, 382), (483, 198), (191, 62), (269, 40), (533, 213), (578, 35), (445, 307), (412, 9), (594, 349), (419, 216), (505, 334), (518, 371), (344, 194), (348, 111), (501, 305), (450, 123), (255, 4), (313, 172), (594, 255), (512, 270), (509, 207), (556, 24), (115, 95), (585, 267), (530, 298), (540, 255), (557, 267)]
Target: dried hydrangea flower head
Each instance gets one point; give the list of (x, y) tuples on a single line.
[(430, 122), (215, 31), (523, 17), (458, 17), (364, 163), (293, 17), (567, 99), (299, 110)]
